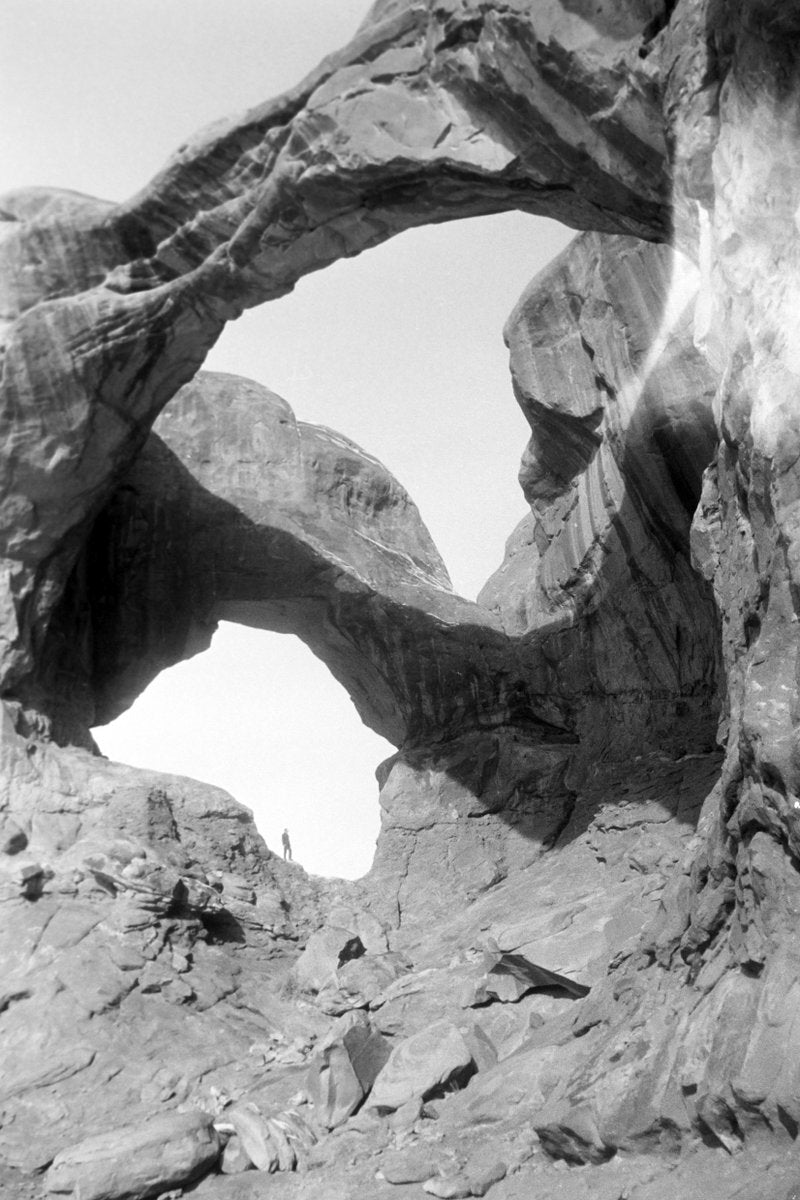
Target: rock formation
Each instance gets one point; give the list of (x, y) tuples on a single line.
[(556, 741)]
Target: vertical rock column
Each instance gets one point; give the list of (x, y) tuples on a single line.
[(731, 921)]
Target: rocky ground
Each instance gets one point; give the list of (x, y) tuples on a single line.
[(345, 1057)]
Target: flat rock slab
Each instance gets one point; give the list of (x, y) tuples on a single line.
[(136, 1161)]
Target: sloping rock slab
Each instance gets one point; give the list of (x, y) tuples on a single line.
[(345, 1069), (137, 1161), (421, 1064)]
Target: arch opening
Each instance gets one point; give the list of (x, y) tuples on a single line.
[(401, 349), (259, 715), (420, 379)]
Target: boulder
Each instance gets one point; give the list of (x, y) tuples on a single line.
[(13, 838), (484, 1175), (325, 952), (421, 1065), (475, 1180), (368, 927), (344, 1069), (235, 1158), (22, 878), (253, 1133), (360, 981), (333, 1087), (449, 1187), (136, 1161)]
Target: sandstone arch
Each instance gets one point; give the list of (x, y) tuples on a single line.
[(296, 184), (110, 309)]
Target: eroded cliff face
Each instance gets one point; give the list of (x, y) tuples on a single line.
[(597, 595), (556, 741), (427, 115)]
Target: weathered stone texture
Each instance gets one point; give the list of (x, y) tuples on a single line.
[(619, 404), (235, 511), (555, 739), (427, 115), (133, 1163)]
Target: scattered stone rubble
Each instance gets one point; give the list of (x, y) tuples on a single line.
[(353, 1069)]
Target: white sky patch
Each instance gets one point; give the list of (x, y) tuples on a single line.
[(260, 716)]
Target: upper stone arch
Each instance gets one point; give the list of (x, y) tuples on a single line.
[(432, 112)]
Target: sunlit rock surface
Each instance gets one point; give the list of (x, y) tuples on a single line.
[(555, 741), (140, 913)]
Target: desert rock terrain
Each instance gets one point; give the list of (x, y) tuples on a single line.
[(572, 969)]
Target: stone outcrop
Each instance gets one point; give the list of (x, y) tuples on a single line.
[(556, 741), (140, 914), (133, 1163), (619, 403)]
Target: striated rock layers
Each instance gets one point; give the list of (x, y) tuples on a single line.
[(557, 739), (431, 112)]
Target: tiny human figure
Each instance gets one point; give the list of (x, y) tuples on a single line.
[(287, 845)]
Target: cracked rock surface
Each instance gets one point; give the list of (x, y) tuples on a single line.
[(596, 764)]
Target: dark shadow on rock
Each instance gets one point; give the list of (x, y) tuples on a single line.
[(166, 559), (534, 976), (222, 927)]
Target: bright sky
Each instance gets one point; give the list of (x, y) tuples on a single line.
[(401, 349)]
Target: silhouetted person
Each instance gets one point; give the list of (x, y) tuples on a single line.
[(287, 845)]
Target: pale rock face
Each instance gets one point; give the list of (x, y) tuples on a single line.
[(136, 1162), (419, 1065), (458, 819)]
